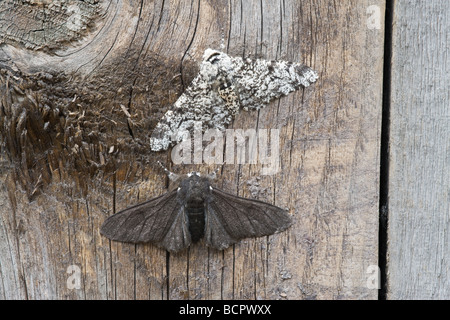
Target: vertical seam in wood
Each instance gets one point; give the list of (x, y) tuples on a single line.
[(255, 262), (113, 271), (384, 152), (234, 272), (160, 17), (208, 272), (222, 275), (189, 45), (262, 28), (280, 43), (230, 7), (187, 273), (167, 275), (134, 273)]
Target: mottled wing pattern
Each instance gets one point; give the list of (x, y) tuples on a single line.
[(161, 220), (230, 97), (262, 81), (230, 218), (223, 86)]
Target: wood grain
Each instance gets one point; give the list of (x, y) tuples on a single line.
[(142, 54), (419, 175)]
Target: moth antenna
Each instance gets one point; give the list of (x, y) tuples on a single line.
[(172, 176)]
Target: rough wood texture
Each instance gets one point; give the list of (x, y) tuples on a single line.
[(71, 156), (419, 179)]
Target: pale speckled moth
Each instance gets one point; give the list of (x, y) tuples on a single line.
[(223, 87), (193, 209)]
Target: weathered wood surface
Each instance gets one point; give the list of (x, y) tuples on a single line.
[(419, 178), (85, 159)]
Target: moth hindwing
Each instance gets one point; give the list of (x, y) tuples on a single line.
[(193, 211)]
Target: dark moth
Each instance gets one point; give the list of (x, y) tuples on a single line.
[(193, 210)]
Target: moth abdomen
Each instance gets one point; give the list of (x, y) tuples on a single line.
[(196, 217)]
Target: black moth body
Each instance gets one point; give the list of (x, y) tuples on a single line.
[(192, 211)]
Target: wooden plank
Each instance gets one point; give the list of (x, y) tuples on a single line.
[(419, 175), (329, 155), (329, 148)]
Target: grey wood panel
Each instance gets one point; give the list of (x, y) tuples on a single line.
[(419, 177)]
